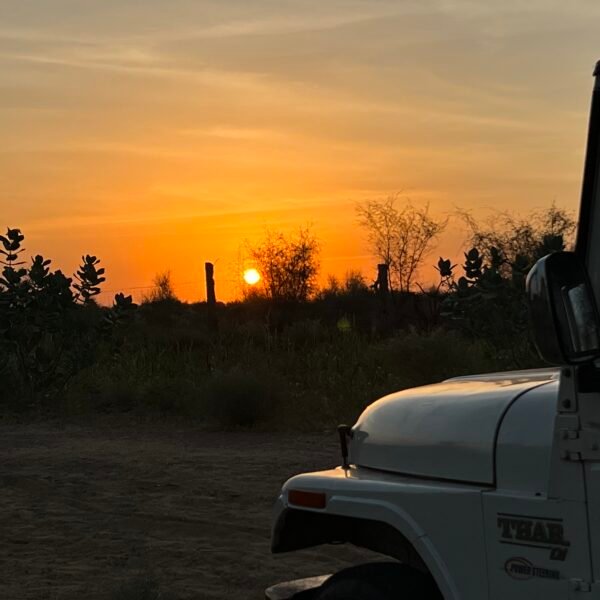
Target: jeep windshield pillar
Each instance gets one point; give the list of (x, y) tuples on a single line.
[(588, 233)]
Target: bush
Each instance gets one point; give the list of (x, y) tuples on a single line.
[(50, 327), (239, 400), (171, 396), (414, 359), (101, 394), (489, 303), (288, 265)]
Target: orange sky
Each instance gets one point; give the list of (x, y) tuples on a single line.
[(160, 134)]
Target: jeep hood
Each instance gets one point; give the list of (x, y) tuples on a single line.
[(447, 430)]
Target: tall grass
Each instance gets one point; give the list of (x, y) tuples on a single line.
[(305, 374)]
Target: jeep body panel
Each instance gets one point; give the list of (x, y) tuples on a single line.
[(444, 431), (435, 517)]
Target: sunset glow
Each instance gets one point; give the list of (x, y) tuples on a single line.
[(161, 138)]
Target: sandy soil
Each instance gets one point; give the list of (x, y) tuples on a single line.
[(84, 508)]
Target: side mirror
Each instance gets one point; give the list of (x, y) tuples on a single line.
[(565, 319)]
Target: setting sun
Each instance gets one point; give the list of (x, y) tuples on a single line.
[(251, 276)]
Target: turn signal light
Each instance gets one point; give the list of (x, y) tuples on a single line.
[(307, 499)]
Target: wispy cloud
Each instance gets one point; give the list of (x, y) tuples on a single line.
[(236, 133), (130, 115)]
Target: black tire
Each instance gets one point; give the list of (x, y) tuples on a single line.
[(379, 581)]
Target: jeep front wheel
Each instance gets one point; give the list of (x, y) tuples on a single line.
[(379, 581)]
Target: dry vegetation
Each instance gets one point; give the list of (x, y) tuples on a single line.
[(291, 357)]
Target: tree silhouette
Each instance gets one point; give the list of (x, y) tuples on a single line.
[(400, 238), (288, 266)]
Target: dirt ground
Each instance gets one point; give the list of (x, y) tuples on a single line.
[(85, 508)]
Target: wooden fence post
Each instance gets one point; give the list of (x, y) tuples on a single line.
[(209, 270), (381, 285), (382, 289)]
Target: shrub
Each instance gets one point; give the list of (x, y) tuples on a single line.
[(288, 266), (490, 305), (171, 396), (238, 399), (162, 290), (488, 302), (50, 327), (413, 359), (106, 395)]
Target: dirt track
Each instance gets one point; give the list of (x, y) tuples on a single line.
[(84, 508)]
